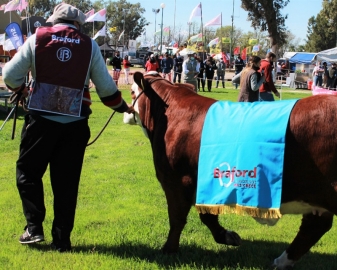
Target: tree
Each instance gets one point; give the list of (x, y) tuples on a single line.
[(265, 15), (322, 28), (125, 16)]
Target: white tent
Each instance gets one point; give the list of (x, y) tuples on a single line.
[(329, 55)]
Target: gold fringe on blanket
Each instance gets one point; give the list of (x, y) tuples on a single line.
[(238, 209)]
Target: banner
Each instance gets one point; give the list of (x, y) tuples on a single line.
[(196, 12), (2, 39), (216, 21), (132, 47), (113, 29), (226, 40), (253, 41), (236, 51), (8, 45), (14, 33), (244, 54), (196, 38), (256, 48), (98, 16)]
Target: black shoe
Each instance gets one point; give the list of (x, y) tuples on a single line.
[(61, 247), (28, 238)]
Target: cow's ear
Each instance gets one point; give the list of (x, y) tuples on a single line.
[(139, 79)]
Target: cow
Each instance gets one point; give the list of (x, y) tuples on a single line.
[(172, 117)]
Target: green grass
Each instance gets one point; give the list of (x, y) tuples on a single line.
[(122, 221)]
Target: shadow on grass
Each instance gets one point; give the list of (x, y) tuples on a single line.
[(251, 255)]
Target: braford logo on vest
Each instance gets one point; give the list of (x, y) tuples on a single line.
[(234, 173), (65, 39)]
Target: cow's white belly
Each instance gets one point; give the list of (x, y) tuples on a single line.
[(300, 208), (295, 208)]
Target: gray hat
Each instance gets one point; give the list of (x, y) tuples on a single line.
[(67, 12)]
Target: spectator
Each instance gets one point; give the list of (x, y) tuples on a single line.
[(325, 74), (126, 66), (220, 73), (158, 59), (107, 61), (146, 58), (210, 67), (177, 67), (268, 87), (285, 68), (332, 76), (250, 80), (116, 63), (200, 77), (167, 65), (191, 69), (55, 131), (239, 65), (317, 73), (151, 64)]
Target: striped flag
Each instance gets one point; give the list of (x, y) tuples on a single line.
[(196, 12), (101, 32), (98, 16), (215, 21), (89, 13), (16, 5)]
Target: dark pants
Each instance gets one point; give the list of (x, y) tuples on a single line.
[(62, 146), (222, 78), (202, 82), (175, 75), (209, 77)]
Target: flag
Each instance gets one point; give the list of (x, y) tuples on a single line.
[(196, 12), (120, 36), (16, 5), (166, 31), (90, 13), (252, 41), (113, 29), (101, 32), (244, 54), (249, 50), (2, 39), (196, 38), (13, 31), (226, 40), (8, 45), (215, 21), (213, 42), (236, 50), (256, 48), (98, 16), (2, 7), (224, 57)]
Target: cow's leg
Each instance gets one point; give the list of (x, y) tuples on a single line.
[(179, 203), (313, 227), (220, 234)]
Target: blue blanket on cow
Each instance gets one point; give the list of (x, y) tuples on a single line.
[(241, 158)]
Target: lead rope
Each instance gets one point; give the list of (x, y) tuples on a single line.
[(109, 119)]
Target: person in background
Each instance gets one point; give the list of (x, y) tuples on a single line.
[(167, 65), (220, 73), (317, 74), (239, 65), (177, 67), (151, 64), (332, 76), (126, 66), (210, 67), (191, 70), (200, 77), (268, 86), (55, 131), (325, 75), (158, 60), (116, 63), (107, 61), (250, 80), (146, 58)]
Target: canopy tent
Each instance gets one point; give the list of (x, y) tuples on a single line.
[(105, 47), (303, 58), (288, 55), (329, 55)]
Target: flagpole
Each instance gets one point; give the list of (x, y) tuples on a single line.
[(202, 34), (221, 32), (230, 46)]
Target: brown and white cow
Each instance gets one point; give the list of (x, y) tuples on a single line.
[(172, 117)]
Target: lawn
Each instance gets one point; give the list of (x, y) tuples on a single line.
[(121, 220)]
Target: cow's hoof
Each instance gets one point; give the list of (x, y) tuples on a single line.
[(168, 250), (283, 263), (228, 238)]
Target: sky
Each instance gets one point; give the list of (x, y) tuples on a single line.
[(177, 12)]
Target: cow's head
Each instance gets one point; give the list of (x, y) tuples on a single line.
[(137, 89)]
